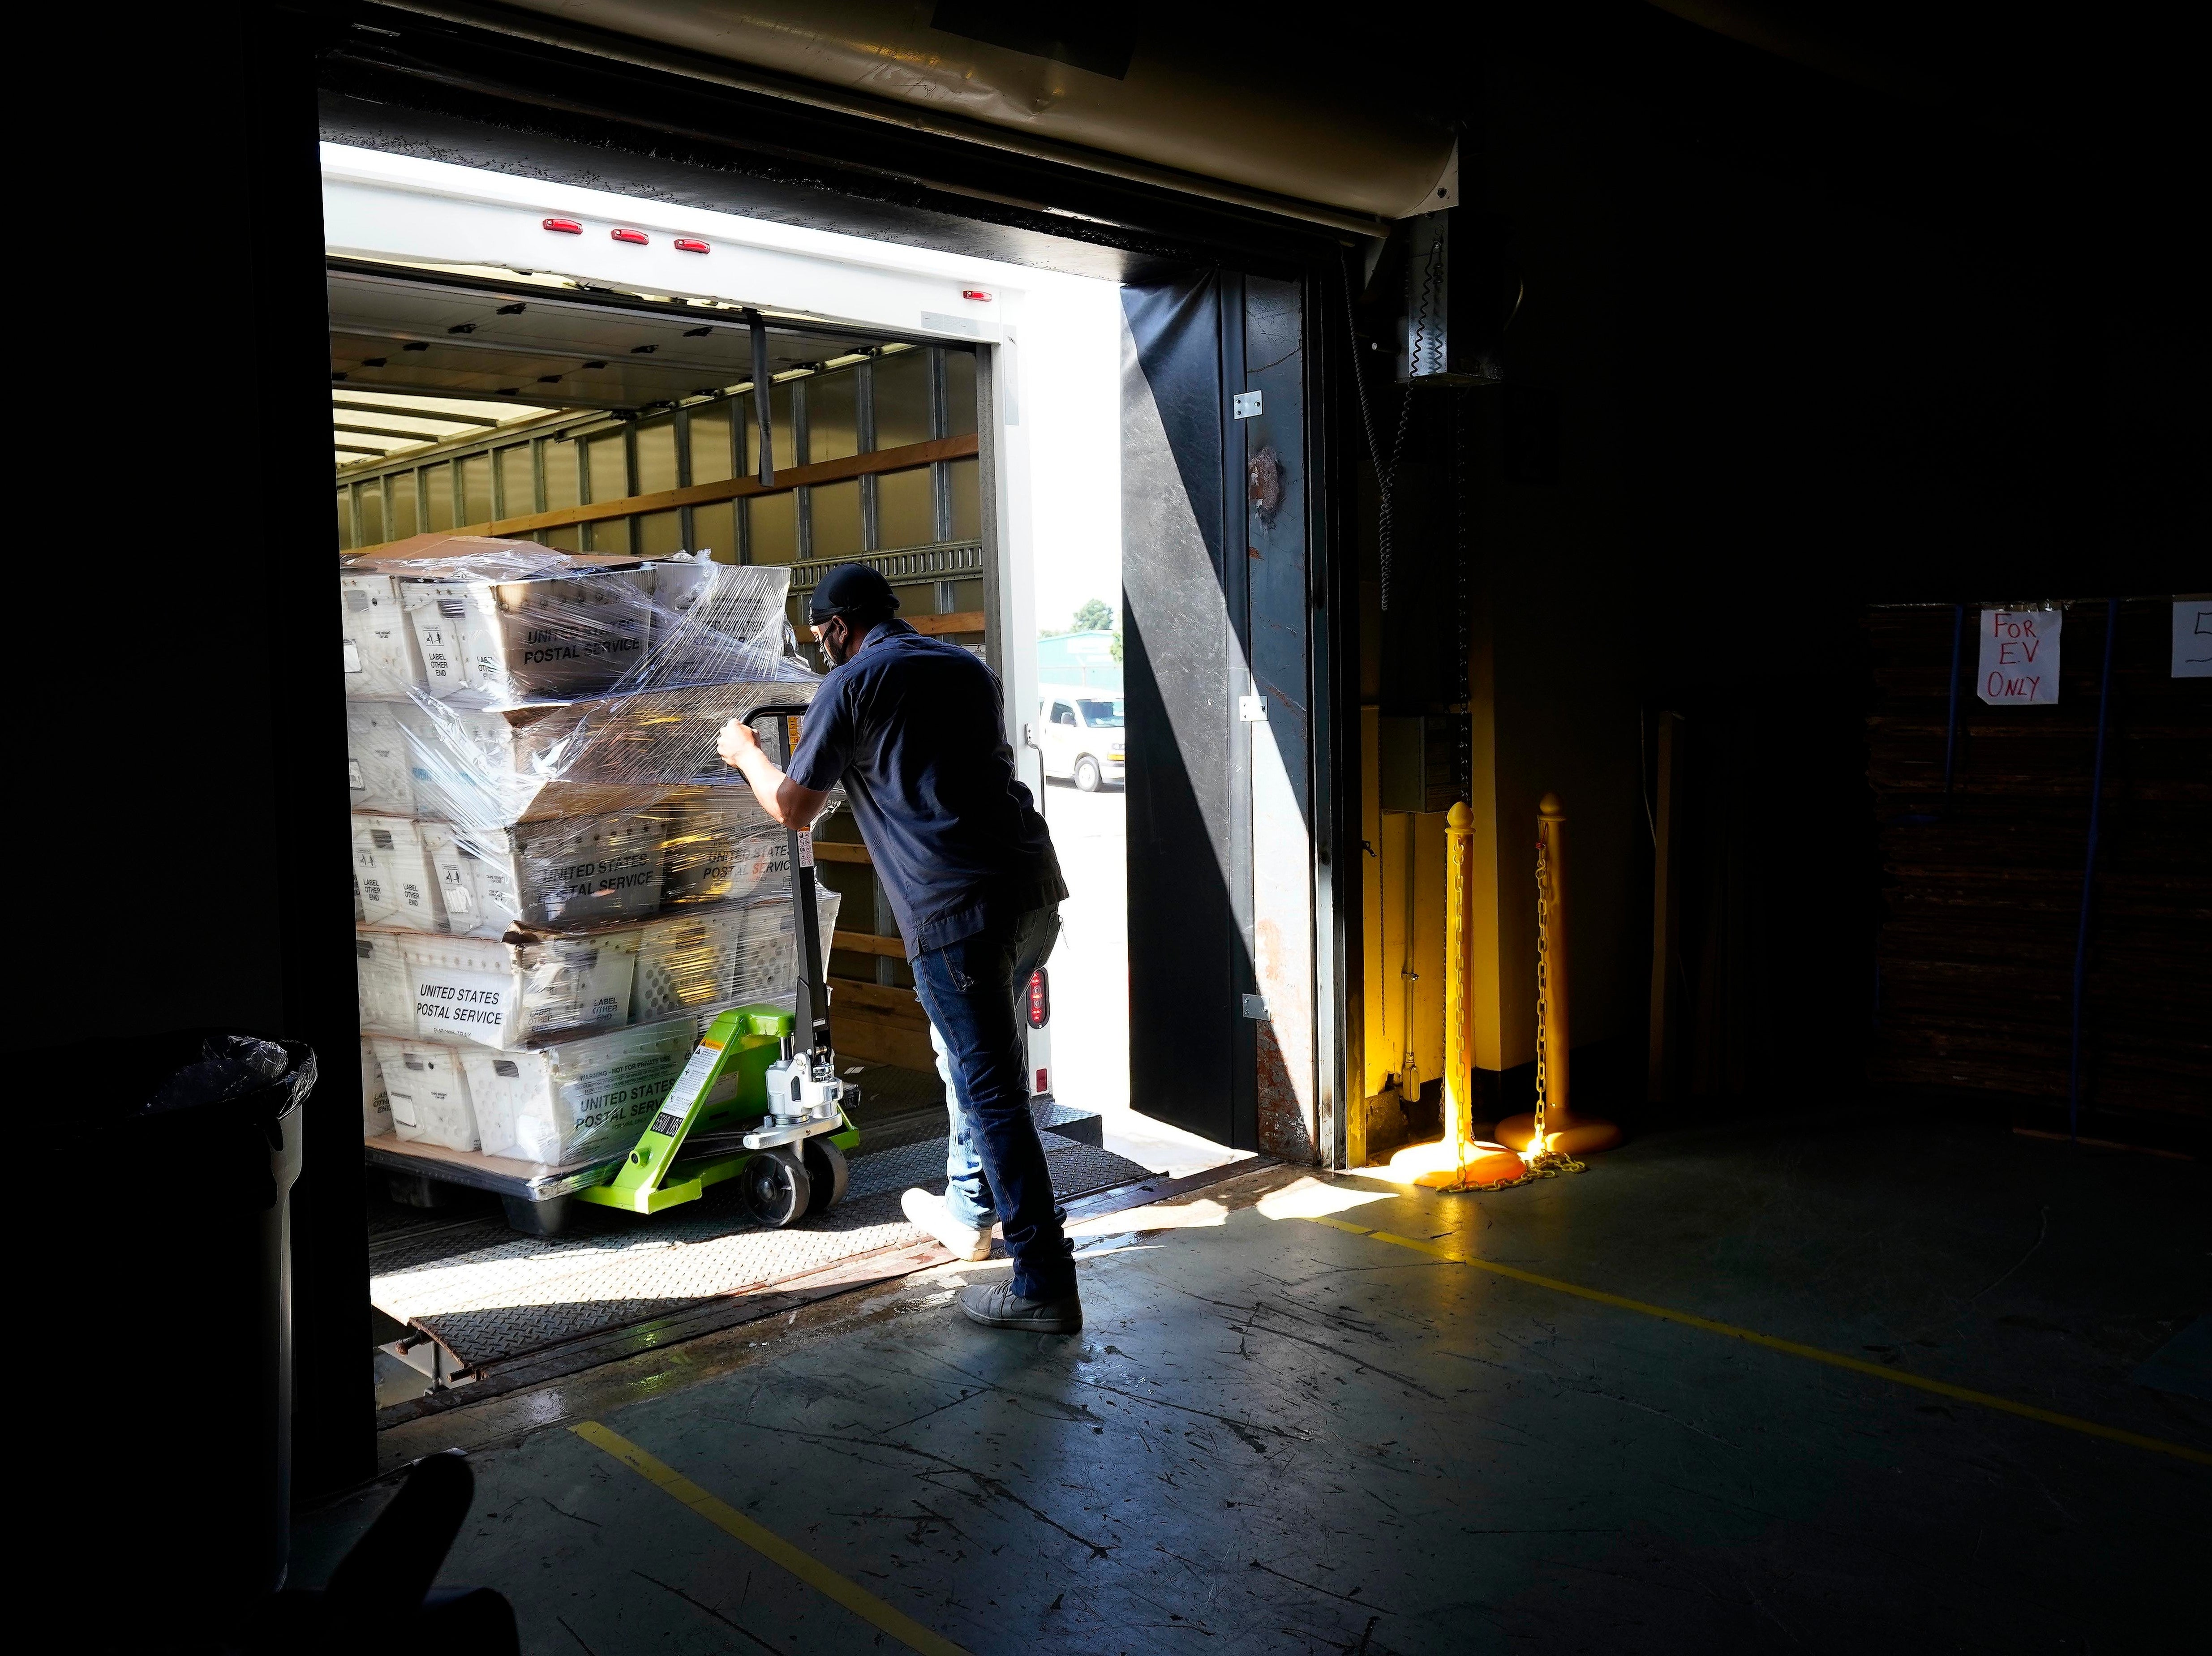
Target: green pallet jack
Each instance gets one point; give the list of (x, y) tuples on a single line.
[(753, 1061)]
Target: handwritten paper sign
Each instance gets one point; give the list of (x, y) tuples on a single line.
[(2020, 656), (2192, 638)]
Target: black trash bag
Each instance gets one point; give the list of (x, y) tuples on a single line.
[(229, 1066)]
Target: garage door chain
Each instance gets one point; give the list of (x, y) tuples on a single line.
[(1550, 1165), (1545, 1164)]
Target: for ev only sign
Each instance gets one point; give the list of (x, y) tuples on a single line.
[(2020, 656)]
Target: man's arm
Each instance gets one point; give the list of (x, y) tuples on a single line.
[(783, 799)]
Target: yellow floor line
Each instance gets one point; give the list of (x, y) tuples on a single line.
[(1834, 1359), (770, 1545)]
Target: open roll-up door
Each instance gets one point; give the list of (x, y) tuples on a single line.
[(1216, 485)]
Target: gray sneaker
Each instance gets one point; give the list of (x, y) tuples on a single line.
[(995, 1305)]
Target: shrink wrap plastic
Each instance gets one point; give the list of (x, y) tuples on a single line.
[(558, 879)]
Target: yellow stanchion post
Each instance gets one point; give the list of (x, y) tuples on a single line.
[(1458, 1161), (1554, 1129)]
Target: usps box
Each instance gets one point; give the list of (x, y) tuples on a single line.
[(382, 658), (392, 873), (721, 848), (577, 1099), (711, 958), (581, 870), (380, 974), (378, 768), (428, 1093), (501, 994), (556, 635), (717, 622), (376, 1104)]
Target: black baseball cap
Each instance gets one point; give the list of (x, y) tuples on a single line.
[(854, 589)]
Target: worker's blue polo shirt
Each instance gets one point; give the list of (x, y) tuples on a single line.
[(914, 728)]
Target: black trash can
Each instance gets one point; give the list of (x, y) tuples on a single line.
[(186, 1317)]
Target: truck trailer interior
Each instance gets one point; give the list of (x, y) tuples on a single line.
[(1632, 1055)]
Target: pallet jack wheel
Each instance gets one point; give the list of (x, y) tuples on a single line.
[(826, 1167), (776, 1190)]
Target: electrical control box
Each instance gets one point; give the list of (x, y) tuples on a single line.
[(1417, 754)]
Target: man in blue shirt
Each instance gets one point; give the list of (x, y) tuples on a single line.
[(915, 730)]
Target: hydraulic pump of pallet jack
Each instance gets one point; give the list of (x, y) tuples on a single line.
[(804, 1097)]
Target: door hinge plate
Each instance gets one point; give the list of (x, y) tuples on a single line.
[(1252, 709), (1255, 1006), (1245, 404)]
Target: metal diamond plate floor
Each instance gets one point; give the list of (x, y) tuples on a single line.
[(490, 1294)]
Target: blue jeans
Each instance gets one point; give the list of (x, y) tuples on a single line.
[(974, 990)]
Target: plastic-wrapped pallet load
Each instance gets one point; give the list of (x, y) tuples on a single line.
[(558, 877)]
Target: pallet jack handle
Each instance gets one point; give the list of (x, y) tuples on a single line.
[(811, 1022)]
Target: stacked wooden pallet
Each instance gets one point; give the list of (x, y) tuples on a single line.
[(1983, 886)]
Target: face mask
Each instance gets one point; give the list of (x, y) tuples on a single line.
[(834, 656)]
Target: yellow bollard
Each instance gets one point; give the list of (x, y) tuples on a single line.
[(1554, 1129), (1457, 1162)]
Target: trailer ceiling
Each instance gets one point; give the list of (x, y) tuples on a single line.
[(418, 356)]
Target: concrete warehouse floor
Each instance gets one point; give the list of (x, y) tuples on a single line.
[(1281, 1435)]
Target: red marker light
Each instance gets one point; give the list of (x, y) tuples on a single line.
[(637, 237), (976, 292), (685, 245), (1041, 1087), (1040, 999), (566, 227)]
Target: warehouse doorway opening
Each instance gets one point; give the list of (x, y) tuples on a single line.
[(507, 373)]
